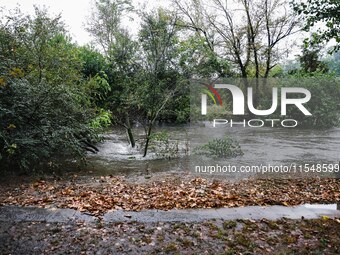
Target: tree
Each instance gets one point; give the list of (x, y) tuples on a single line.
[(198, 49), (97, 87), (246, 33), (119, 50), (161, 76), (198, 60), (43, 50), (105, 22), (323, 14), (124, 68), (310, 62)]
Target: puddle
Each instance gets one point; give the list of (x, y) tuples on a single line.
[(323, 206)]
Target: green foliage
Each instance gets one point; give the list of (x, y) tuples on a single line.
[(324, 87), (160, 79), (219, 148), (160, 136), (93, 62), (276, 71), (40, 49), (323, 105), (325, 91), (102, 119), (321, 11), (98, 88), (333, 63), (310, 61), (39, 123), (45, 101), (217, 111), (106, 20), (123, 76), (164, 147), (198, 59)]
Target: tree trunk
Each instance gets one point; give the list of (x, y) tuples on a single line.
[(268, 62), (129, 131), (147, 140), (131, 138)]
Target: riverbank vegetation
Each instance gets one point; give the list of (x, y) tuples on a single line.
[(56, 96)]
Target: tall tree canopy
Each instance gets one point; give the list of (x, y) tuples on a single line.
[(247, 33), (325, 16)]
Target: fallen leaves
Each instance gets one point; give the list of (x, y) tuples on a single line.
[(207, 237), (99, 195)]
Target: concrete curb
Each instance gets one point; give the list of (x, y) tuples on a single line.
[(19, 214)]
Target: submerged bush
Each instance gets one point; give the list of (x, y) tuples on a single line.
[(163, 146), (220, 148)]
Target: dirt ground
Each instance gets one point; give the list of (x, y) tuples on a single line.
[(284, 236)]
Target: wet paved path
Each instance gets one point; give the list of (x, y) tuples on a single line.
[(19, 214)]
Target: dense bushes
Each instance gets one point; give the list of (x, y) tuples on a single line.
[(39, 122), (323, 105), (47, 106)]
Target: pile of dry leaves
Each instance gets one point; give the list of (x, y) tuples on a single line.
[(98, 195)]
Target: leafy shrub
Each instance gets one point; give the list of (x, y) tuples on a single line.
[(102, 120), (220, 148), (40, 122), (164, 147)]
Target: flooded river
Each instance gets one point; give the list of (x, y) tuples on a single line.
[(260, 146)]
